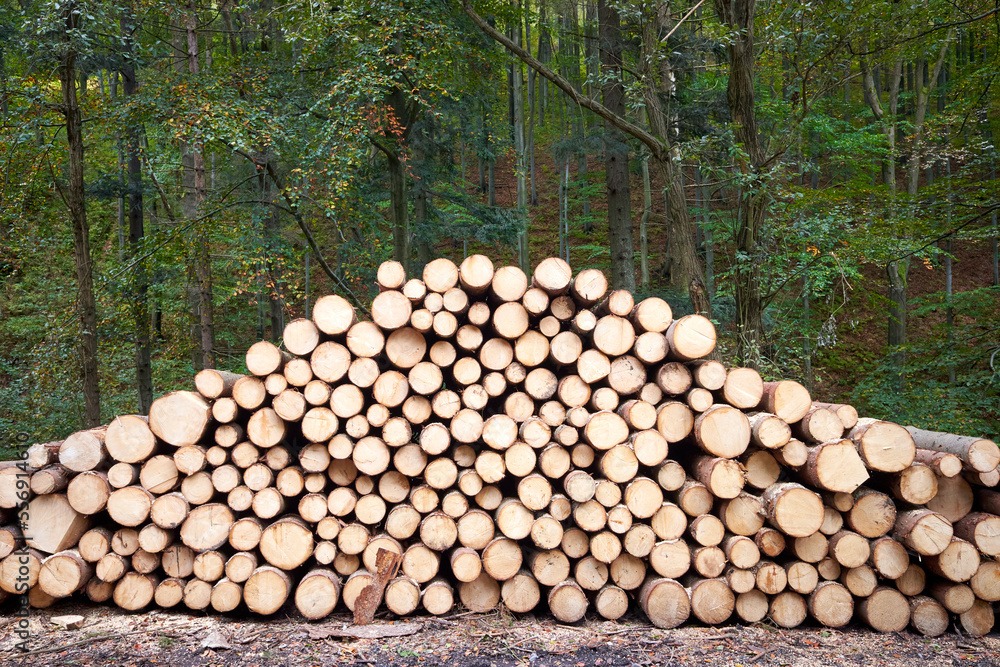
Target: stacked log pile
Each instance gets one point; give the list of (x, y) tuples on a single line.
[(532, 443)]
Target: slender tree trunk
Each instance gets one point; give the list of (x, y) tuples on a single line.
[(532, 85), (738, 15), (517, 109), (200, 240), (616, 151), (86, 305), (136, 230), (400, 213), (647, 211)]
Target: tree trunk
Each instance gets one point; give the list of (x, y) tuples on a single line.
[(738, 15), (616, 152), (194, 193), (136, 231), (86, 304), (517, 119), (647, 211)]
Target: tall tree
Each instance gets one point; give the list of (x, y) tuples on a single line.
[(738, 16), (616, 177), (136, 231), (76, 203)]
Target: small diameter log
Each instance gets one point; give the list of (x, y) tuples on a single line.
[(135, 591), (885, 610), (819, 425), (768, 431), (788, 609), (64, 573), (752, 606), (849, 549), (691, 337), (831, 604), (51, 479), (742, 389), (978, 454), (958, 562), (847, 413), (917, 484), (84, 450), (742, 515), (761, 468), (889, 558), (954, 498), (982, 530), (873, 513), (723, 477), (928, 616), (180, 418), (943, 463), (665, 602), (43, 454), (787, 399), (129, 438), (926, 532), (266, 590), (568, 602), (834, 466), (480, 595), (802, 577), (712, 601), (213, 384), (793, 509)]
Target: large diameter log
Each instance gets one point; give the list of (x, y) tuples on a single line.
[(834, 466), (883, 445), (52, 524), (129, 439), (787, 399), (926, 532), (180, 418), (885, 610), (977, 453), (722, 431), (831, 604), (793, 509)]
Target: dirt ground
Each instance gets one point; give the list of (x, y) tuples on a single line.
[(110, 636)]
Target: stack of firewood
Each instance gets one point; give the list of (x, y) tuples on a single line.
[(531, 443)]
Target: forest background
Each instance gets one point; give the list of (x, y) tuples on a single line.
[(180, 180)]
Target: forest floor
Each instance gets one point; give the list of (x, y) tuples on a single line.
[(112, 636)]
